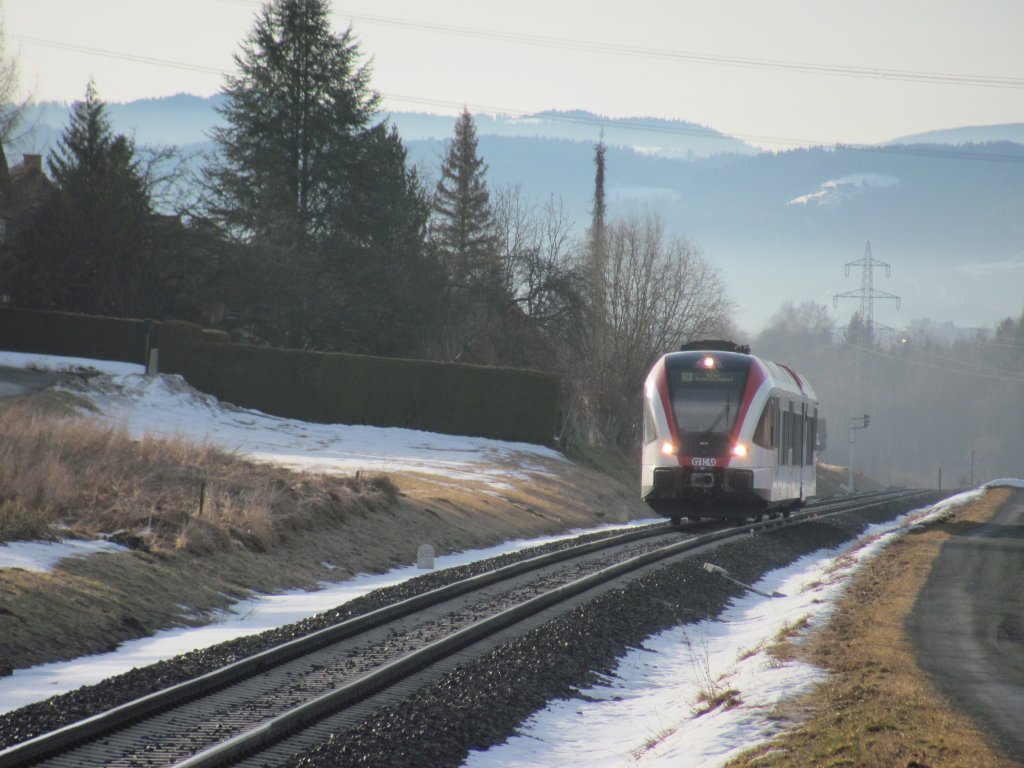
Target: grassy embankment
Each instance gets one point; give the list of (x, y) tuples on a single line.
[(72, 476), (877, 709), (206, 527)]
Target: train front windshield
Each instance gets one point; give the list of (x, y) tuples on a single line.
[(705, 398)]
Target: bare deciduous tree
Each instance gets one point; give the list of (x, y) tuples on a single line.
[(10, 108), (659, 293), (796, 329), (539, 263), (598, 231)]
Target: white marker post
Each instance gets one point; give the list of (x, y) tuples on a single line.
[(425, 557)]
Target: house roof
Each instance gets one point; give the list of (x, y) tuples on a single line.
[(5, 175), (24, 185)]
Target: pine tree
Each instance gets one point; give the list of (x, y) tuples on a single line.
[(322, 197), (88, 248), (463, 228), (857, 333), (295, 117), (389, 295), (462, 231), (284, 172)]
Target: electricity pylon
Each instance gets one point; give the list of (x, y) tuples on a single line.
[(867, 293)]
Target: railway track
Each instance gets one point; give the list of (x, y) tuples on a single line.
[(262, 709)]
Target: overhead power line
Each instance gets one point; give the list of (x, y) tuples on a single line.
[(918, 76), (590, 46), (994, 374), (962, 365), (107, 53)]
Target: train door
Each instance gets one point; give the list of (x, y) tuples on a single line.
[(803, 446), (785, 483), (779, 475)]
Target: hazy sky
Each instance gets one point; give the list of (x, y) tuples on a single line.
[(750, 68)]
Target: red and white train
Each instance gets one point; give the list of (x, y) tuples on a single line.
[(726, 435)]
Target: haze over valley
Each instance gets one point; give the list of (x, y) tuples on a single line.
[(787, 231), (944, 209)]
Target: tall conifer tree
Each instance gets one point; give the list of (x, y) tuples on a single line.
[(463, 229), (90, 244), (304, 178), (463, 233), (389, 296), (294, 117)]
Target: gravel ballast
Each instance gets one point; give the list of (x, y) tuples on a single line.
[(481, 703)]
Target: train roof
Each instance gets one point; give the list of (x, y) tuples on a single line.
[(715, 345), (783, 373)]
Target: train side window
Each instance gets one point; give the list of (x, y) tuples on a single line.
[(793, 434), (650, 430), (812, 432), (773, 431), (783, 436), (764, 433), (801, 442)]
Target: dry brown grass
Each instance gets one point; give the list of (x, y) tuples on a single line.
[(877, 709), (196, 550), (76, 475)]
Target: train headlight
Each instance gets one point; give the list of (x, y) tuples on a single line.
[(708, 362), (739, 450), (668, 448)]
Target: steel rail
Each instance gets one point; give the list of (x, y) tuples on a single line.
[(93, 727), (104, 722), (272, 731)]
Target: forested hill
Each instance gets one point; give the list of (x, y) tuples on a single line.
[(947, 215)]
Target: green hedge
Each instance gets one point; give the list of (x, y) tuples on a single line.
[(71, 335), (500, 403)]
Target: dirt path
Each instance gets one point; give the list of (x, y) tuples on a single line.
[(968, 623)]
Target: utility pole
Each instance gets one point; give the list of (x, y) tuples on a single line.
[(857, 422)]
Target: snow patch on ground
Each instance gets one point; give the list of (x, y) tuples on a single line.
[(645, 714)]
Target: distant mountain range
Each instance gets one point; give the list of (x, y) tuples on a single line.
[(186, 119), (975, 134), (945, 209)]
